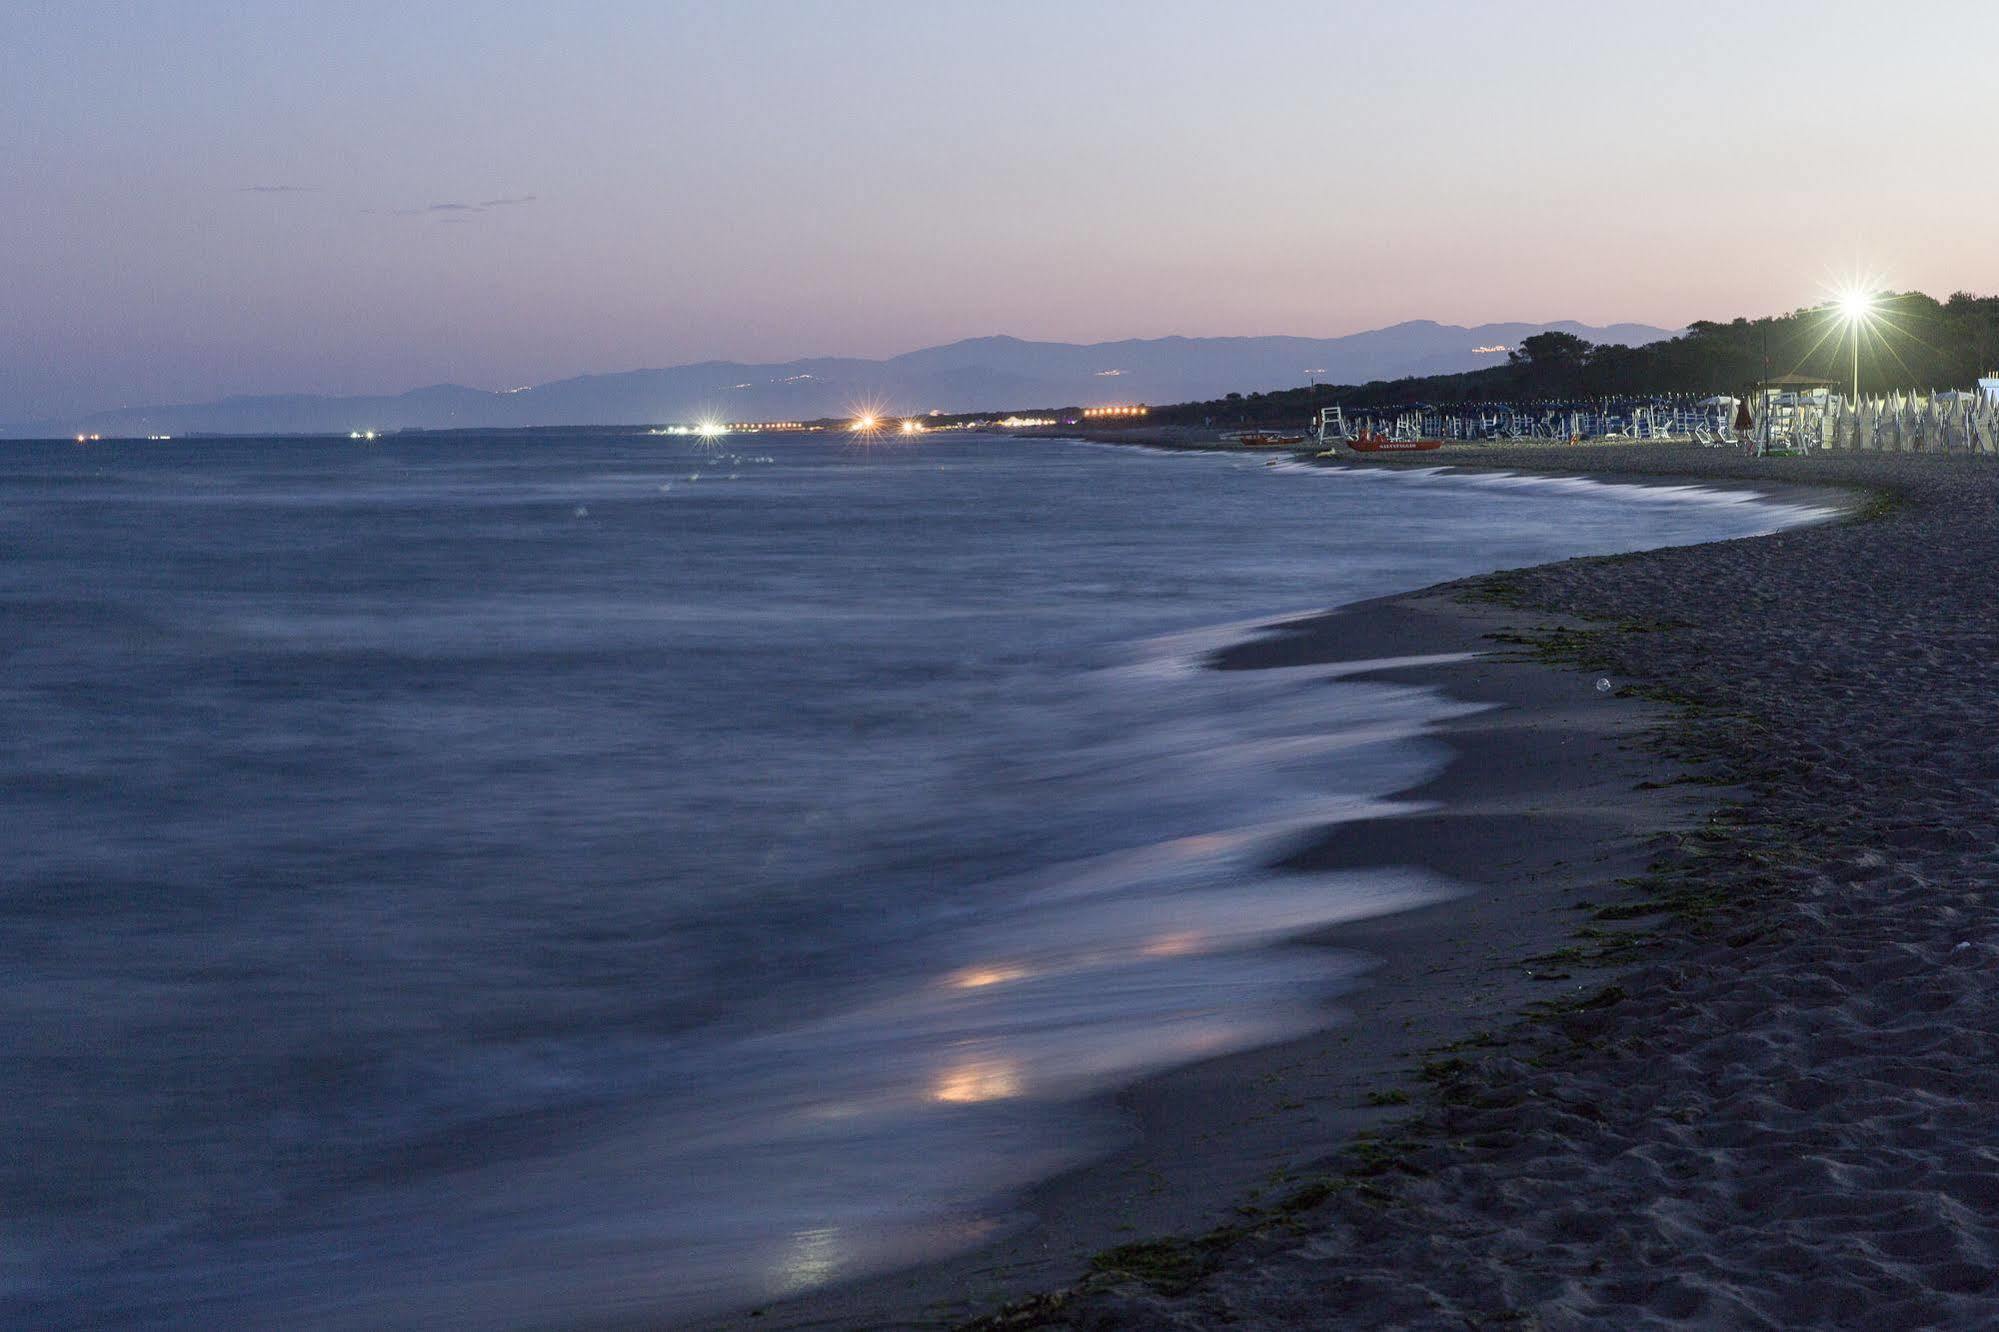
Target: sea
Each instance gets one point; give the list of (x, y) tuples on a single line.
[(544, 881)]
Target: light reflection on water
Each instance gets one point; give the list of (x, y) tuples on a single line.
[(814, 1259), (976, 978), (978, 1079)]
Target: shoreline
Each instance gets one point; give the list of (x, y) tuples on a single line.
[(1773, 1109), (1579, 804), (1621, 464)]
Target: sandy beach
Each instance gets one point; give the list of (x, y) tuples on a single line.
[(1710, 1045)]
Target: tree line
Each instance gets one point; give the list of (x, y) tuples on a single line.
[(1909, 341)]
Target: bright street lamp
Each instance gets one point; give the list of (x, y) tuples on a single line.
[(1856, 310)]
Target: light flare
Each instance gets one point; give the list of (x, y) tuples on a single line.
[(867, 420)]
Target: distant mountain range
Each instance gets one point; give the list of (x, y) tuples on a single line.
[(980, 374)]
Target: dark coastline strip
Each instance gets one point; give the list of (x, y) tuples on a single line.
[(1779, 1117)]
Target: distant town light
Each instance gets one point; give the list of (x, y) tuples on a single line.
[(710, 429), (1126, 410)]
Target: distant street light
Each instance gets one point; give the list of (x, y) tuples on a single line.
[(1312, 377)]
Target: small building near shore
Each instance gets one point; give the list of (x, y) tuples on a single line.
[(1796, 388)]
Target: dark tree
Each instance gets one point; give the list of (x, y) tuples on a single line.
[(1550, 350)]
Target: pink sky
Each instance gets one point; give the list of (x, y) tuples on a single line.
[(758, 180)]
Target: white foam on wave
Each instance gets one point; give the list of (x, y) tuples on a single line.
[(1784, 512)]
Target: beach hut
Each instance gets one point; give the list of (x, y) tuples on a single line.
[(1795, 386)]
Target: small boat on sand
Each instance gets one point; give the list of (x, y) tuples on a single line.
[(1369, 442), (1258, 439)]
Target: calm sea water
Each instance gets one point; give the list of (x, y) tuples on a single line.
[(514, 883)]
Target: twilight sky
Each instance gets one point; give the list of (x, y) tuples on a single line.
[(203, 198)]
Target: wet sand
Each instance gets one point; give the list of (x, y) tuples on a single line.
[(1558, 800), (1769, 1104), (1537, 806)]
